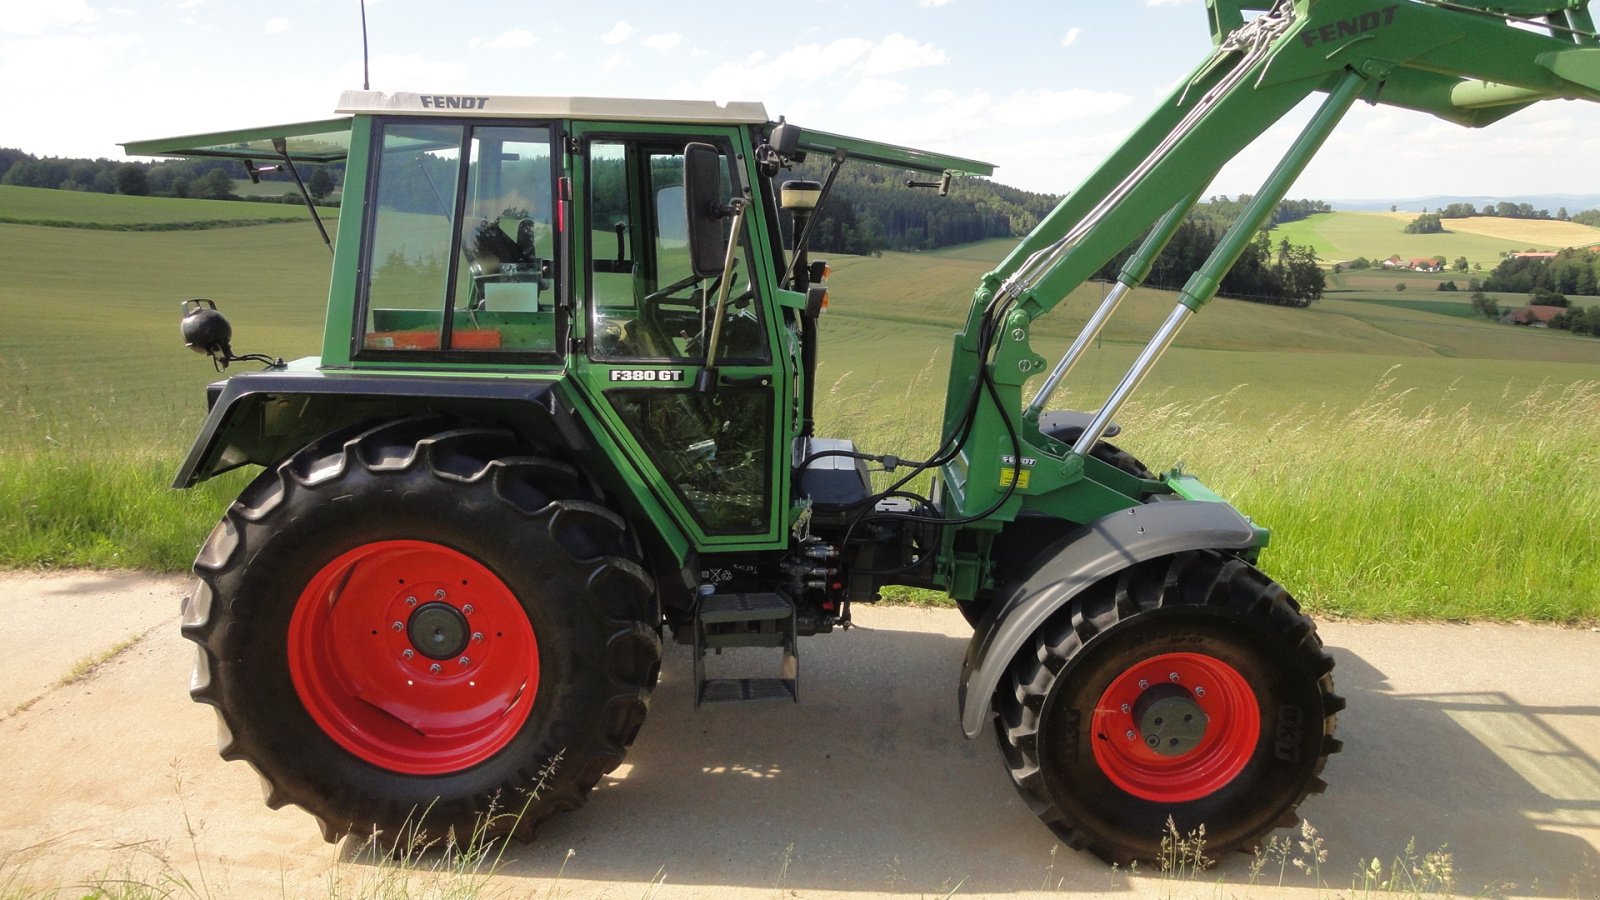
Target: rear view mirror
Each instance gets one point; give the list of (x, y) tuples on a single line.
[(702, 182)]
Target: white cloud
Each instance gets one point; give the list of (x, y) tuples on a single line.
[(618, 33), (897, 53), (941, 95), (824, 59), (663, 42), (408, 72), (36, 18), (614, 62), (276, 25), (1046, 107), (1071, 36), (804, 63), (515, 39), (1168, 2), (873, 93), (930, 4)]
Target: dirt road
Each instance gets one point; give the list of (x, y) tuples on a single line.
[(1481, 737)]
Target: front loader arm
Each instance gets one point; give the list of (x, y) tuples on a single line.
[(1470, 62)]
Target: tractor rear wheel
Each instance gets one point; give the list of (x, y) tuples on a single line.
[(417, 631), (1189, 687)]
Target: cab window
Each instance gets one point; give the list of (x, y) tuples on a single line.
[(645, 301), (460, 255)]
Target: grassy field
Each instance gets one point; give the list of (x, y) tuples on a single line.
[(22, 205), (1482, 240), (1413, 461)]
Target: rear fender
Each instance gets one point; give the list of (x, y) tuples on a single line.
[(1096, 551), (261, 417)]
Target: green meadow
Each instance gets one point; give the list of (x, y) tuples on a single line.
[(1343, 236), (1412, 461)]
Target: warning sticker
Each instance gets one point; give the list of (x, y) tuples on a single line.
[(1007, 476)]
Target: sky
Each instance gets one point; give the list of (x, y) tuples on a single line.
[(1043, 89)]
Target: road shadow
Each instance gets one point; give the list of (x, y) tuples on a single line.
[(867, 785), (1485, 776)]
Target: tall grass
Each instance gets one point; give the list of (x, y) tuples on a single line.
[(93, 491), (1379, 509), (1379, 512)]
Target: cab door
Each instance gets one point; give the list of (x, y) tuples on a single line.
[(715, 458)]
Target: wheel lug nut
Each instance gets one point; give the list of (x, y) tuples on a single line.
[(1153, 740), (466, 610), (439, 594), (1144, 685), (1126, 708), (406, 653), (411, 601), (435, 668), (1173, 677), (398, 626), (464, 661), (1132, 736), (1199, 692), (477, 635)]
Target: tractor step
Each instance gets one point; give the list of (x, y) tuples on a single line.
[(714, 691), (745, 620)]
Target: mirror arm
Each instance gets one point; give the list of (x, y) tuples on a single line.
[(707, 379)]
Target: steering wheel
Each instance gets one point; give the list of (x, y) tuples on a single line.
[(655, 297)]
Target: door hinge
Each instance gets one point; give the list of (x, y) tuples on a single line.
[(578, 346)]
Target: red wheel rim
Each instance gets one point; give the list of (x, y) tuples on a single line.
[(413, 656), (1136, 713)]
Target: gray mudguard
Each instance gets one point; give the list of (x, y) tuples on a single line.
[(1100, 549)]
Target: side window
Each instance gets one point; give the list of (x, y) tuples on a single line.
[(461, 251), (644, 300), (714, 449)]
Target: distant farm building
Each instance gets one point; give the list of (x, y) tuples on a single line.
[(1394, 262), (1425, 265), (1533, 316)]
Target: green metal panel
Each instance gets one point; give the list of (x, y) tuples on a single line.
[(337, 336)]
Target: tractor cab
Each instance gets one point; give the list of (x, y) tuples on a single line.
[(614, 280)]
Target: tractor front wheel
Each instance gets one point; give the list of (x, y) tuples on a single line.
[(1189, 689), (416, 631)]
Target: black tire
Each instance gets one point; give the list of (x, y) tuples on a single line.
[(470, 497), (1212, 614), (1118, 458)]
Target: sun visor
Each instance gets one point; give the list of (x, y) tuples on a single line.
[(891, 155), (321, 142)]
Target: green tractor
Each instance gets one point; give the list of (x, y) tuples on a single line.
[(563, 411)]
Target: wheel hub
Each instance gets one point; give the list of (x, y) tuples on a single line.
[(1169, 720), (439, 631)]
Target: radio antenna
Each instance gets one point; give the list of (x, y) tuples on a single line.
[(366, 77)]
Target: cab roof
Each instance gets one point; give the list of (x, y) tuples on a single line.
[(328, 140)]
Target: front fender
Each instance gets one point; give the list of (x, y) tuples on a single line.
[(1096, 551)]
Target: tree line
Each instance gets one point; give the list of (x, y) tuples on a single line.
[(202, 179), (870, 209), (1502, 209), (1575, 270), (1281, 273)]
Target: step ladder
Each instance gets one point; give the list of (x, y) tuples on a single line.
[(745, 620)]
